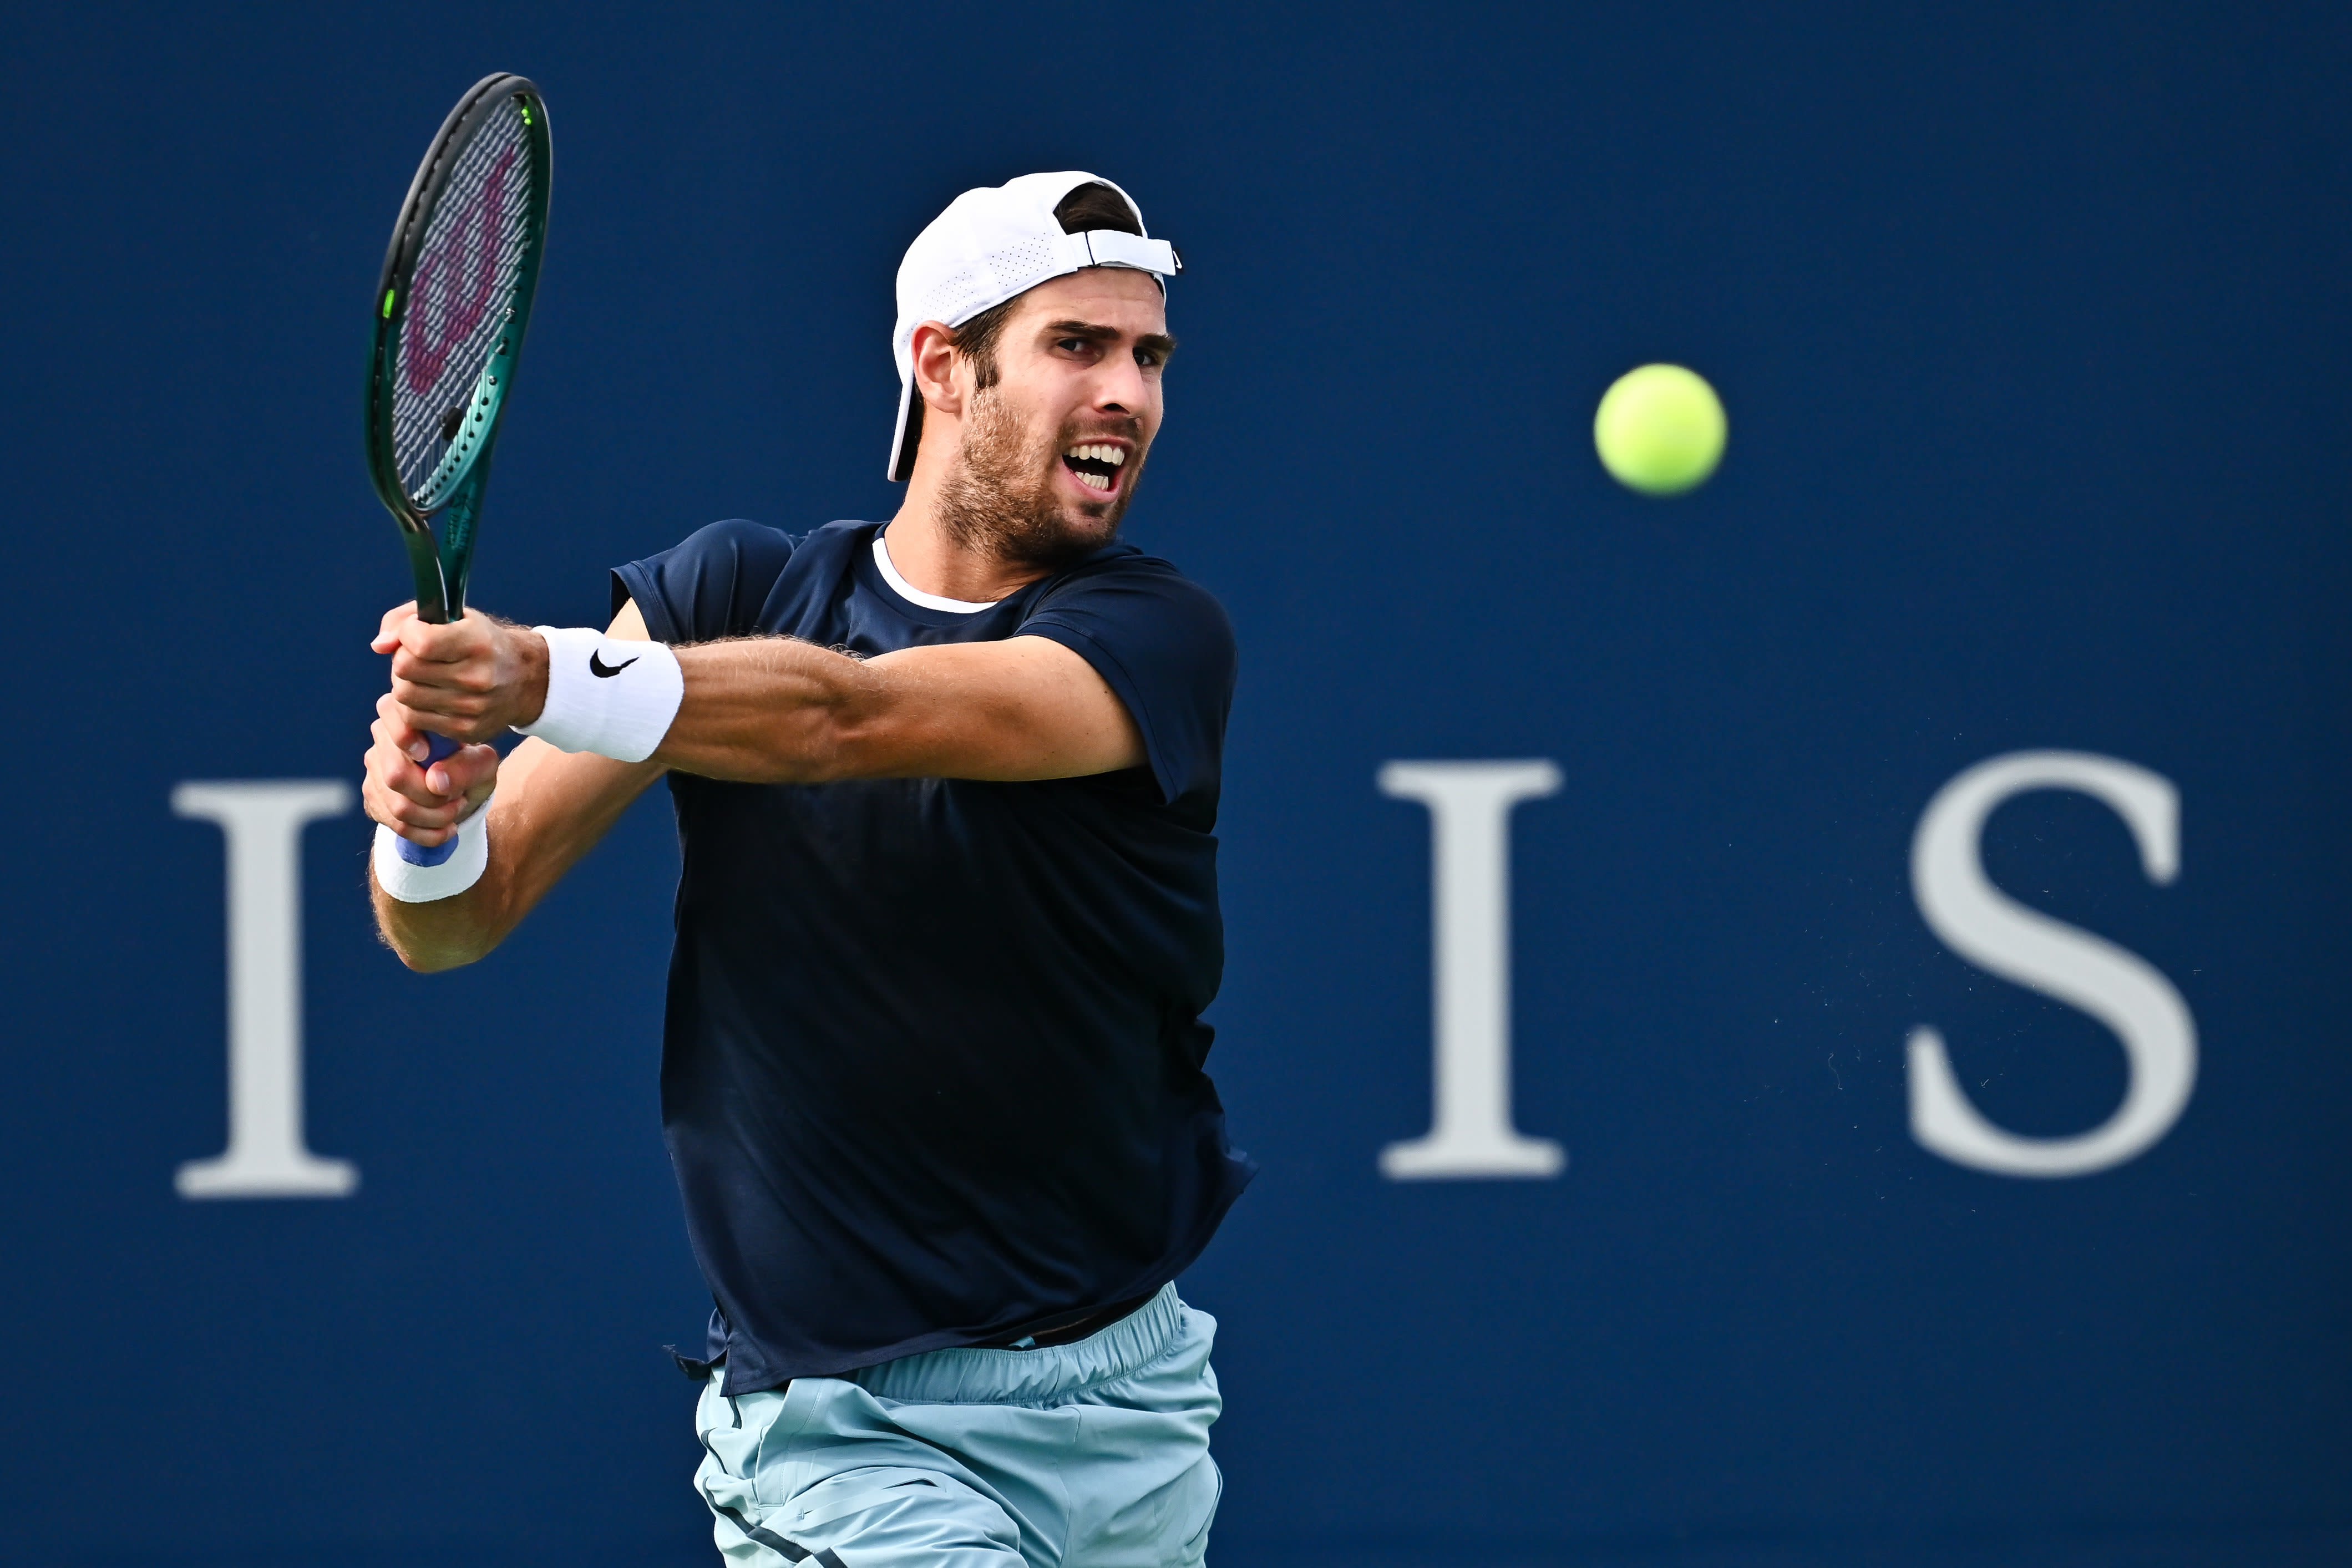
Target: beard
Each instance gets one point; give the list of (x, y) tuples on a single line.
[(999, 501)]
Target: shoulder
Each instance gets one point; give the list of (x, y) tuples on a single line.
[(735, 545), (1123, 581), (738, 540), (1121, 562), (1163, 644), (713, 582), (1138, 610)]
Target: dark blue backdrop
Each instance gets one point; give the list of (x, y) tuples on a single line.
[(2031, 321)]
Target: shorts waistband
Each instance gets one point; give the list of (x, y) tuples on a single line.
[(1048, 1374)]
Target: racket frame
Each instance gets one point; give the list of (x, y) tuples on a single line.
[(440, 568)]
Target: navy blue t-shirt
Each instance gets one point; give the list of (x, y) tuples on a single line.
[(932, 1067)]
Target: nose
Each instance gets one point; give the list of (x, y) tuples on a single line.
[(1119, 386)]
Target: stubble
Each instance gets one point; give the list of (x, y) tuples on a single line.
[(1001, 503)]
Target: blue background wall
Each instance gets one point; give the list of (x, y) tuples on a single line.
[(2032, 322)]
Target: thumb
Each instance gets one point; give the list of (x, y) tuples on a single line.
[(463, 770), (387, 635)]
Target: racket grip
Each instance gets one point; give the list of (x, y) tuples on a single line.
[(415, 854)]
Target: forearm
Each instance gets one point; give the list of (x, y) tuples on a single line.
[(771, 710), (779, 711), (550, 809)]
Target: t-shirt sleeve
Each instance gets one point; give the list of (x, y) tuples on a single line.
[(711, 584), (1165, 646)]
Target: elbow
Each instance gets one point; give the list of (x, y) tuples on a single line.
[(427, 951), (435, 960)]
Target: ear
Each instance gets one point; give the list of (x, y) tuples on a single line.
[(935, 368)]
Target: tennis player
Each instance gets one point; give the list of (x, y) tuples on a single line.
[(931, 1073)]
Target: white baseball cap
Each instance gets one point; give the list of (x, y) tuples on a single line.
[(994, 243)]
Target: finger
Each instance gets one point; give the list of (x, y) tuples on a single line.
[(394, 777), (473, 676), (415, 834), (407, 819), (457, 716), (465, 771), (449, 641), (387, 633), (409, 732), (403, 799), (427, 711), (395, 727), (396, 810), (421, 803), (462, 690)]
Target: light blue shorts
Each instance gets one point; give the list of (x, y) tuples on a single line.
[(1088, 1455)]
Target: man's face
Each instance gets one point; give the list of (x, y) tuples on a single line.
[(1051, 453)]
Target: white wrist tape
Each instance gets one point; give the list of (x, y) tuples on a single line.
[(615, 699), (413, 883)]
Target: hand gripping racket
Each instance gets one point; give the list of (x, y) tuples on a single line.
[(450, 310)]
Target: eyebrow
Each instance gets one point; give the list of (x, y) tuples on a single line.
[(1158, 343)]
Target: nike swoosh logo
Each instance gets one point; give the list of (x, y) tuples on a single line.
[(605, 671)]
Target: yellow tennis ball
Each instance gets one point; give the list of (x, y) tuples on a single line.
[(1660, 430)]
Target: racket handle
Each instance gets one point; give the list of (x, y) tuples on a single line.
[(415, 854)]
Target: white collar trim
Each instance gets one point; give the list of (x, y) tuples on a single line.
[(913, 595)]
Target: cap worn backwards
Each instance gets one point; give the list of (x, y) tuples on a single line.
[(994, 243)]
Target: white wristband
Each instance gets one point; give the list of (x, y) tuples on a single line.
[(614, 698), (413, 883)]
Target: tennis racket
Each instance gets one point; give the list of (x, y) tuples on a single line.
[(449, 315)]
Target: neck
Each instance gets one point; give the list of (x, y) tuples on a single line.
[(930, 555)]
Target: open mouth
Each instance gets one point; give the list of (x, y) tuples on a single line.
[(1097, 466)]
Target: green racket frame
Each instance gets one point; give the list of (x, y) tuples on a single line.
[(441, 567)]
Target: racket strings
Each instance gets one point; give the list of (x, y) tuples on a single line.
[(459, 294)]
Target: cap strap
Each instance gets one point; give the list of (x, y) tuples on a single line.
[(1112, 247)]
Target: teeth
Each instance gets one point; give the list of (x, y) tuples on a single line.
[(1094, 481), (1113, 456)]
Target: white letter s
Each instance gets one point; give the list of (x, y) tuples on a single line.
[(1996, 933)]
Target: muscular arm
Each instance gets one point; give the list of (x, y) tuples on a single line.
[(775, 711), (756, 710)]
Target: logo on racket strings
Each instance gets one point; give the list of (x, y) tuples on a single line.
[(454, 283)]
